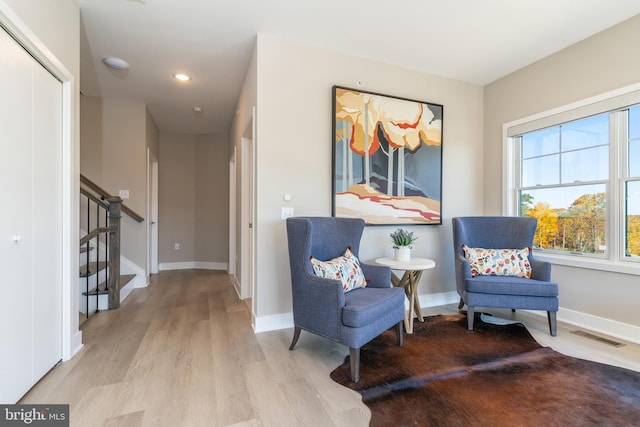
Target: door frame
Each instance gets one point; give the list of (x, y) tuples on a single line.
[(247, 214), (152, 214), (14, 26)]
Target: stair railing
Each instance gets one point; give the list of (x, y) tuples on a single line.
[(103, 228), (102, 224)]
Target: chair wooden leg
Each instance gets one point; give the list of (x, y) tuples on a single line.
[(354, 356), (461, 304), (553, 324), (296, 335), (400, 333), (470, 316)]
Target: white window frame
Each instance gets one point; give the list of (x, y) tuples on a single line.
[(614, 258)]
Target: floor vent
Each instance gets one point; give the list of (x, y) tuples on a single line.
[(598, 338)]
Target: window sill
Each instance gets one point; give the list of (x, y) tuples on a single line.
[(623, 267)]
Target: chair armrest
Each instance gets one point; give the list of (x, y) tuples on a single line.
[(317, 305), (378, 276), (463, 272), (540, 270)]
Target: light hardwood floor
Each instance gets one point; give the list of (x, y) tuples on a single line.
[(182, 353)]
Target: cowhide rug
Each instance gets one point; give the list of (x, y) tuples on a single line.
[(496, 375)]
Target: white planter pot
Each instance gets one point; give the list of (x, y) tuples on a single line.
[(402, 253)]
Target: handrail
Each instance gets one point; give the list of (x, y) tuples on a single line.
[(94, 199), (93, 234), (103, 193)]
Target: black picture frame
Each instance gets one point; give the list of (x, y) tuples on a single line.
[(387, 158)]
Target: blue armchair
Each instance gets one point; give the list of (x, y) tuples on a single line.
[(535, 293), (321, 306)]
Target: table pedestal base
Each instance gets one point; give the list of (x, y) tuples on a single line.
[(409, 282)]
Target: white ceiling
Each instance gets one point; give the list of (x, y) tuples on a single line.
[(477, 41)]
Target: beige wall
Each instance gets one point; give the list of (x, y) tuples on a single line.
[(212, 198), (176, 198), (193, 200), (294, 155), (594, 66), (114, 156)]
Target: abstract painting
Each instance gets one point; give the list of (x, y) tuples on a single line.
[(387, 158)]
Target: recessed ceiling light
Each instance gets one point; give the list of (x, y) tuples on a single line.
[(182, 77), (115, 63), (198, 109)]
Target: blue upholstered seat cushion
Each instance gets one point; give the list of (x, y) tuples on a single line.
[(507, 285), (365, 305)]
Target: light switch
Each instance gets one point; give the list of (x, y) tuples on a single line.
[(124, 194), (287, 212)]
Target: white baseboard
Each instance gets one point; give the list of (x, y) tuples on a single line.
[(597, 324), (285, 320), (272, 322), (435, 300), (601, 325), (76, 344), (188, 265), (237, 286), (126, 290), (613, 328), (128, 267)]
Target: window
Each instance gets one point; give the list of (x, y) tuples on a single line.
[(577, 171), (632, 185), (564, 172)]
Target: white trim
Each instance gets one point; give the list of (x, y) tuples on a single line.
[(127, 289), (285, 320), (591, 262), (236, 285), (597, 324), (76, 344), (188, 265), (273, 322), (435, 300), (613, 260), (70, 187), (129, 267), (574, 105)]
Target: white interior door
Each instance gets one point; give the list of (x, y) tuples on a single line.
[(248, 220), (31, 223), (152, 212)]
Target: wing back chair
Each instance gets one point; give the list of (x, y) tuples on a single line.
[(321, 306), (481, 287)]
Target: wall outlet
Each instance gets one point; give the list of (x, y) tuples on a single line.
[(287, 212), (124, 194), (176, 246)]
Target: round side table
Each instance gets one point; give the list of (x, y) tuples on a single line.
[(413, 269)]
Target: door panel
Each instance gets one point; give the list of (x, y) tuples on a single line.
[(30, 225)]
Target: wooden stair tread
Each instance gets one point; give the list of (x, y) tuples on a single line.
[(93, 268), (124, 279), (83, 249)]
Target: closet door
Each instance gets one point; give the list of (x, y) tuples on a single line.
[(46, 214), (30, 223)]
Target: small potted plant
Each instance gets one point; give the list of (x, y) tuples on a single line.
[(402, 240)]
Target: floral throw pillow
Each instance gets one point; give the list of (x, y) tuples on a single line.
[(498, 262), (345, 268)]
